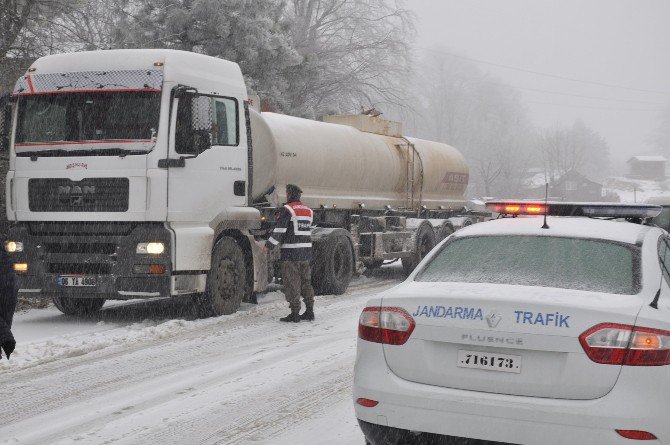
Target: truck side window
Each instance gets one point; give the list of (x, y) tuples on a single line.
[(224, 128)]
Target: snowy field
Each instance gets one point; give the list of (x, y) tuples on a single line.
[(148, 372), (636, 190)]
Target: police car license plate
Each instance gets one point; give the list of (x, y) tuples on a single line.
[(77, 281), (489, 361)]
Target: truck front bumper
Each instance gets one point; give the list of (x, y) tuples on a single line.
[(103, 252)]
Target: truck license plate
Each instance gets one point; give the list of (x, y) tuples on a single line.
[(489, 361), (76, 281)]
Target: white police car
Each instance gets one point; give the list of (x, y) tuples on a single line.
[(511, 332)]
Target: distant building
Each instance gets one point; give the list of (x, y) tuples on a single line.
[(533, 184), (647, 167), (572, 186)]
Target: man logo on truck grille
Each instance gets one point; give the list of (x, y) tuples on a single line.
[(76, 195)]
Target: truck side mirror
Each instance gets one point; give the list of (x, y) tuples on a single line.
[(5, 121), (201, 123), (202, 140), (194, 124)]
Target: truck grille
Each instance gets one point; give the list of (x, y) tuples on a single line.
[(78, 228), (79, 268), (94, 248), (87, 195)]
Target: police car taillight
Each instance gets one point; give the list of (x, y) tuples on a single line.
[(590, 209), (636, 434), (388, 325), (617, 344)]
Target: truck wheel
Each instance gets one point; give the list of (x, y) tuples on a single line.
[(445, 231), (78, 306), (425, 241), (336, 266), (225, 280)]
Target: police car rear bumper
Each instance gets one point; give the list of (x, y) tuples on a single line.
[(406, 408), (381, 434)]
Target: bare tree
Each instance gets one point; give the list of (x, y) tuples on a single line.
[(93, 25), (21, 22), (460, 105), (354, 52), (577, 147)]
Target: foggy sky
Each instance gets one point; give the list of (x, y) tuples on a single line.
[(618, 42)]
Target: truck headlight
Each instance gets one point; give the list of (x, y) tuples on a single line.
[(14, 246), (150, 248)]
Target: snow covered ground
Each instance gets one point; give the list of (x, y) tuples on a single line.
[(149, 372), (636, 190)]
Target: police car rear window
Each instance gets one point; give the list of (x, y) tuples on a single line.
[(567, 263)]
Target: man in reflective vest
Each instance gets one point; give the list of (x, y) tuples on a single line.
[(293, 233)]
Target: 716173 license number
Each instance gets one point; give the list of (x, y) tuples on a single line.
[(489, 361)]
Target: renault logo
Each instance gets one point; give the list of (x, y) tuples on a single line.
[(493, 318)]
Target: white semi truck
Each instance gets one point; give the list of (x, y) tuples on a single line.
[(146, 173)]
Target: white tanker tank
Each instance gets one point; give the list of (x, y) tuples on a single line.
[(353, 160)]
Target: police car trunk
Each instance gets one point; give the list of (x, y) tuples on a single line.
[(510, 307)]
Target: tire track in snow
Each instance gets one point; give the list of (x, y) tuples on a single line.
[(79, 397)]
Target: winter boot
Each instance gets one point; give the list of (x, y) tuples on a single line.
[(308, 315), (292, 317)]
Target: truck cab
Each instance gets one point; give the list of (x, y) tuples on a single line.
[(126, 168)]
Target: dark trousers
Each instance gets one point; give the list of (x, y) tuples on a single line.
[(297, 280)]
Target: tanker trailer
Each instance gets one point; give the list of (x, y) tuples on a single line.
[(377, 195)]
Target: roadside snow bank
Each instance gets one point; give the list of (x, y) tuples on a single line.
[(36, 353)]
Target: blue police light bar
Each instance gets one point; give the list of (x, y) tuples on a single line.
[(590, 209)]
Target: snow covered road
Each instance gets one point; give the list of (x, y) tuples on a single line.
[(129, 376)]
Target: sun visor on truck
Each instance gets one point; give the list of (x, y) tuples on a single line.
[(89, 81)]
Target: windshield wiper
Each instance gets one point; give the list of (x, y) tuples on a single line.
[(95, 152)]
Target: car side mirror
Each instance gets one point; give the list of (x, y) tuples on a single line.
[(5, 121)]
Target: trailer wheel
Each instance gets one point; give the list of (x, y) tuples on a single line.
[(225, 280), (335, 266), (78, 306), (425, 241), (446, 230)]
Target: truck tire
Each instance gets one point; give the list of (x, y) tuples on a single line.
[(425, 241), (446, 230), (335, 266), (78, 306), (225, 279)]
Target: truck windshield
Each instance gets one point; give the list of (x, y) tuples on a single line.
[(546, 261), (71, 118)]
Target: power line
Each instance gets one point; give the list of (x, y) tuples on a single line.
[(662, 104), (539, 73), (593, 107)]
